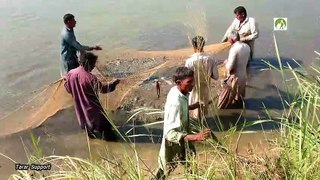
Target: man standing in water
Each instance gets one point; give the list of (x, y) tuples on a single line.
[(205, 68), (237, 63), (70, 46), (245, 26), (84, 88), (177, 137)]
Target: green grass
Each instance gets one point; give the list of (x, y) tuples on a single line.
[(297, 146)]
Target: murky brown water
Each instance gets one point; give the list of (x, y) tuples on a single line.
[(30, 33), (61, 135), (29, 41)]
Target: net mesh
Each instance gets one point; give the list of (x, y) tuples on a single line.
[(54, 97)]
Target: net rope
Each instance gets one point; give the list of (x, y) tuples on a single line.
[(54, 98)]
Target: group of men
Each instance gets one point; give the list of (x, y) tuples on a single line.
[(82, 85), (241, 34), (194, 78)]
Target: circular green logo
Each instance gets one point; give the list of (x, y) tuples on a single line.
[(280, 23)]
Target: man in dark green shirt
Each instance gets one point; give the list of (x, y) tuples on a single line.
[(70, 45)]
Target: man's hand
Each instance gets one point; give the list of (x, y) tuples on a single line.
[(97, 47), (194, 106), (203, 135), (199, 136), (225, 61), (64, 77), (244, 39), (230, 40), (224, 40)]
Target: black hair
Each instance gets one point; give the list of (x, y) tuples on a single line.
[(182, 73), (88, 60), (67, 17), (240, 9), (198, 43)]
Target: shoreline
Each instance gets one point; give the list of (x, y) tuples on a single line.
[(62, 136), (60, 133)]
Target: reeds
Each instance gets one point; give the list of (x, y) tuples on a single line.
[(297, 147)]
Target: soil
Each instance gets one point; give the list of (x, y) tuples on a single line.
[(138, 72), (143, 94)]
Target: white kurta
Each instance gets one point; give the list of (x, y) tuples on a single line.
[(175, 128), (248, 31), (237, 62), (205, 68)]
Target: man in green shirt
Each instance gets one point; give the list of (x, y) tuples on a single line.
[(177, 136), (70, 46)]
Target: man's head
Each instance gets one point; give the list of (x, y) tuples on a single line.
[(183, 77), (69, 21), (233, 37), (241, 13), (198, 43), (89, 61)]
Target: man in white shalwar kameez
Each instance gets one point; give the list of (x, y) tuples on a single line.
[(246, 26), (177, 136), (205, 68), (237, 63)]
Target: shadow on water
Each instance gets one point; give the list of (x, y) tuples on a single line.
[(66, 125), (237, 122), (140, 134), (262, 63), (270, 98), (273, 96), (269, 102), (262, 95)]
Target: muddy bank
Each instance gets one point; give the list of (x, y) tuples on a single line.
[(61, 135), (137, 67)]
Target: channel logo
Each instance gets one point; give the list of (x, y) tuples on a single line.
[(280, 24)]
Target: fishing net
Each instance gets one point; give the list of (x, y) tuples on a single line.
[(54, 97)]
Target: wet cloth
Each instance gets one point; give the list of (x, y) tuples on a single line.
[(68, 51), (248, 31), (228, 92), (84, 88), (237, 64), (205, 68), (176, 127)]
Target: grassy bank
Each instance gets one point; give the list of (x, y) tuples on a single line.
[(294, 154)]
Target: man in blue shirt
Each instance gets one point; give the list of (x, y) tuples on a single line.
[(70, 46)]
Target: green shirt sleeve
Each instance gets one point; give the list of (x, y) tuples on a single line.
[(71, 40), (175, 136)]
